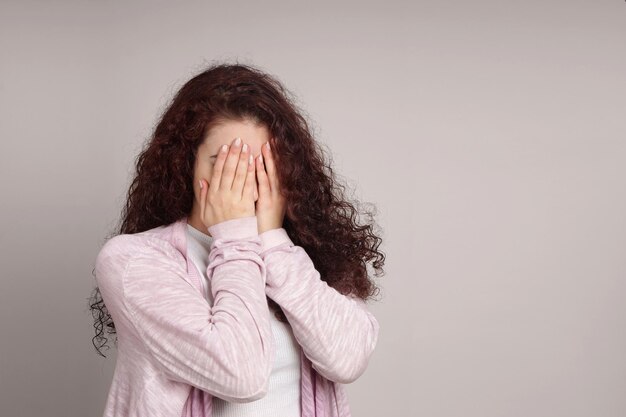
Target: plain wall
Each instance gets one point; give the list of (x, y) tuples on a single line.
[(491, 136)]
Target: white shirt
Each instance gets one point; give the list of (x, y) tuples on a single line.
[(283, 397)]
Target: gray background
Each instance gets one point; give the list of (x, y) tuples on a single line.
[(490, 135)]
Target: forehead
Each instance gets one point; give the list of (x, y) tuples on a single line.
[(225, 132)]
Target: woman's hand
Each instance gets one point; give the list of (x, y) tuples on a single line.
[(271, 204), (230, 194)]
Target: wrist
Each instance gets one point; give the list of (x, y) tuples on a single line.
[(274, 237), (238, 228)]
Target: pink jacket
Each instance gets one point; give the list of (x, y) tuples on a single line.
[(175, 350)]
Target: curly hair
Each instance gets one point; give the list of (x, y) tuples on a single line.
[(318, 217)]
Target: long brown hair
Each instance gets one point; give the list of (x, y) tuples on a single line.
[(318, 217)]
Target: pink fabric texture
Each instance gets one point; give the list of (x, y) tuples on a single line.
[(176, 351)]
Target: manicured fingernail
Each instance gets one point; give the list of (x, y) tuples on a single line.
[(200, 181), (267, 145), (224, 148), (250, 159), (238, 141), (245, 147), (261, 158)]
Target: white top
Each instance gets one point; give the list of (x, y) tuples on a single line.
[(284, 396)]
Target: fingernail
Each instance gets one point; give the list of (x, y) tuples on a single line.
[(201, 186), (261, 158), (237, 141), (267, 145)]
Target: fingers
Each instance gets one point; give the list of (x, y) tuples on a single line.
[(264, 186), (203, 194), (242, 171), (231, 168), (218, 168), (270, 167), (248, 191), (229, 171)]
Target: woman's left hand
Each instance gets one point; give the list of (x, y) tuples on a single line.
[(271, 204)]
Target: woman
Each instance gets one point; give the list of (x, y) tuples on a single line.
[(215, 233)]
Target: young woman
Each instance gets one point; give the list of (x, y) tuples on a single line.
[(236, 283)]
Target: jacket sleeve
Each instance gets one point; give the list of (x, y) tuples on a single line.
[(337, 333), (225, 349)]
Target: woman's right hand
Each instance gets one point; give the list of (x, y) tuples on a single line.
[(230, 193)]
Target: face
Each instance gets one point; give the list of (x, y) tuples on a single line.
[(252, 134)]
